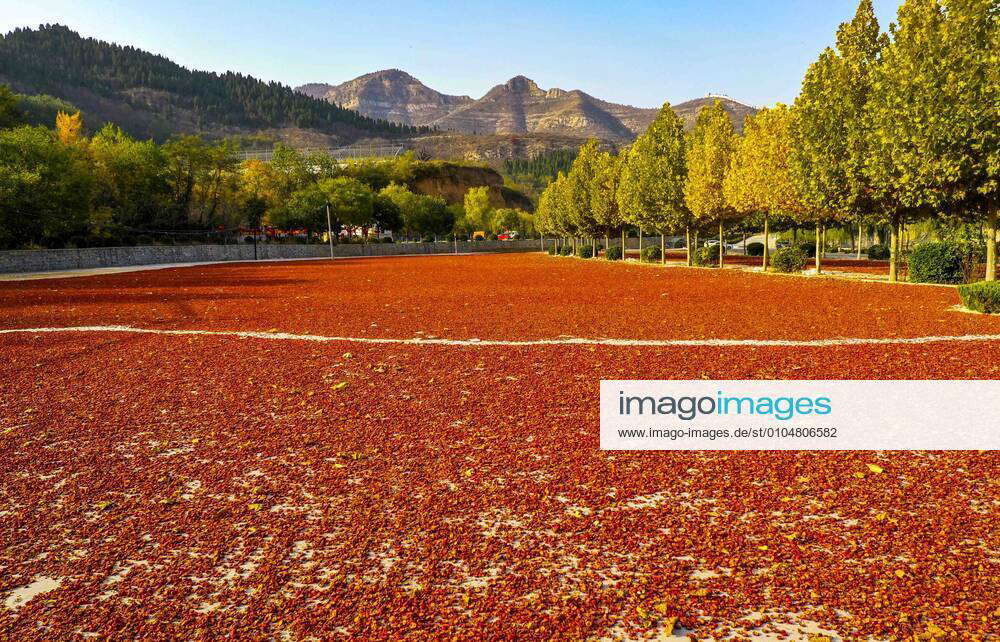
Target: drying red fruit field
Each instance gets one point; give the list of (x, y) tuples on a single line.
[(408, 448)]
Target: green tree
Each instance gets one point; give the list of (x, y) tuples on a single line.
[(505, 220), (654, 172), (477, 208), (935, 116), (407, 203), (10, 115), (130, 177), (831, 141), (708, 161), (386, 214), (350, 201), (188, 162), (604, 194), (305, 208), (433, 217), (45, 188), (579, 187)]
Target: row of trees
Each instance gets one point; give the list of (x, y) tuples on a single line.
[(59, 187), (887, 129)]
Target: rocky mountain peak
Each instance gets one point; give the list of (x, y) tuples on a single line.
[(518, 106)]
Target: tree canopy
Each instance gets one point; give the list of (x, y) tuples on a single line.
[(653, 173)]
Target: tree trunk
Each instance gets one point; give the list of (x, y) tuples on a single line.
[(767, 250), (623, 242), (663, 249), (861, 238), (593, 245), (819, 251), (991, 244), (640, 245), (687, 243), (607, 244), (722, 245), (893, 250)]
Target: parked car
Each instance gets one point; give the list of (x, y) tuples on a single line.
[(507, 236), (714, 242)]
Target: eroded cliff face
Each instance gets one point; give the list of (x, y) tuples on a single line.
[(391, 95), (520, 106), (451, 181)]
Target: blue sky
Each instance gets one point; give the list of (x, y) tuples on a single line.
[(638, 53)]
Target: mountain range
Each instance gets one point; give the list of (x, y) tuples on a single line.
[(518, 106), (150, 96)]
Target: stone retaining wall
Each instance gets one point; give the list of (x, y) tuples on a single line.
[(94, 257)]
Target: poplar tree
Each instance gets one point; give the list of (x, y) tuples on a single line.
[(651, 190), (709, 158), (831, 142), (935, 117), (759, 181), (579, 187), (554, 208), (545, 214), (604, 194)]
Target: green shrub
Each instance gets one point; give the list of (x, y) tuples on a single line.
[(983, 296), (613, 254), (585, 251), (788, 259), (878, 252), (651, 254), (566, 250), (553, 250), (808, 249), (706, 256), (936, 263), (755, 249)]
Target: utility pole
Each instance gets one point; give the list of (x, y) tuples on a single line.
[(329, 229)]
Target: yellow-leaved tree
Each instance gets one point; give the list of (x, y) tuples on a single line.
[(69, 127), (759, 181), (708, 161)]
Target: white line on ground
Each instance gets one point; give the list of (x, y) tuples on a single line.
[(560, 341)]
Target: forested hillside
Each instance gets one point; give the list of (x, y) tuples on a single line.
[(541, 169), (150, 95)]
